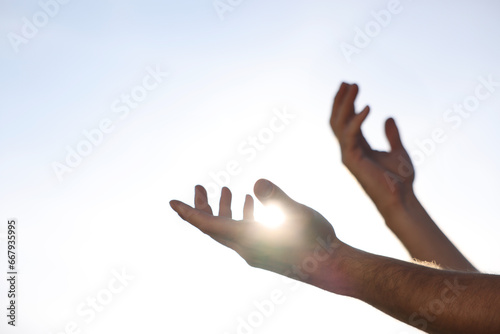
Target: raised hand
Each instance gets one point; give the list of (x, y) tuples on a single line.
[(293, 249), (387, 177)]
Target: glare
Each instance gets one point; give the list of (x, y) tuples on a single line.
[(270, 216)]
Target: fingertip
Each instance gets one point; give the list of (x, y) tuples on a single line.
[(351, 92), (248, 208), (392, 133), (197, 191), (390, 122), (363, 115), (226, 192), (391, 128), (248, 198), (263, 188), (179, 206), (174, 204)]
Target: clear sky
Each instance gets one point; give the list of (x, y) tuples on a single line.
[(112, 108)]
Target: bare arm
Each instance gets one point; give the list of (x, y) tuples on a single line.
[(306, 248), (387, 178), (436, 301)]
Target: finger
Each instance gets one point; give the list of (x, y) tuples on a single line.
[(392, 133), (354, 126), (216, 227), (201, 199), (346, 108), (269, 193), (336, 102), (225, 203), (248, 208), (201, 203)]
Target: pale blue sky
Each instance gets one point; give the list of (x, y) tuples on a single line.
[(225, 79)]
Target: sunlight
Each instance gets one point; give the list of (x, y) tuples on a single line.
[(270, 216)]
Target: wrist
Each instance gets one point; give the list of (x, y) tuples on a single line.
[(338, 273), (389, 192), (405, 204)]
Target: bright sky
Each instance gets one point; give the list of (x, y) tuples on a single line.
[(171, 94)]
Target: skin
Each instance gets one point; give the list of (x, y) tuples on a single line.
[(306, 248), (387, 178)]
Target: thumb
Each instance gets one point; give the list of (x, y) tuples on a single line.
[(269, 193), (392, 133)]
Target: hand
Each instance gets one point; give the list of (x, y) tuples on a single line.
[(387, 177), (293, 249)]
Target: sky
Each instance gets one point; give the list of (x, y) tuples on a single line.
[(110, 109)]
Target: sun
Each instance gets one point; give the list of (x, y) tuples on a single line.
[(270, 216)]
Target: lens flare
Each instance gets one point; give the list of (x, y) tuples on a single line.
[(270, 216)]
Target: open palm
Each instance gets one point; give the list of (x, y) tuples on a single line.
[(304, 236)]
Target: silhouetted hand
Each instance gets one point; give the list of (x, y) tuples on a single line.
[(294, 249), (386, 176)]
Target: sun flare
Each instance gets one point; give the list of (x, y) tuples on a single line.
[(270, 216)]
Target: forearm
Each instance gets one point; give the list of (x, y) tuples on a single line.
[(436, 301), (411, 223)]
